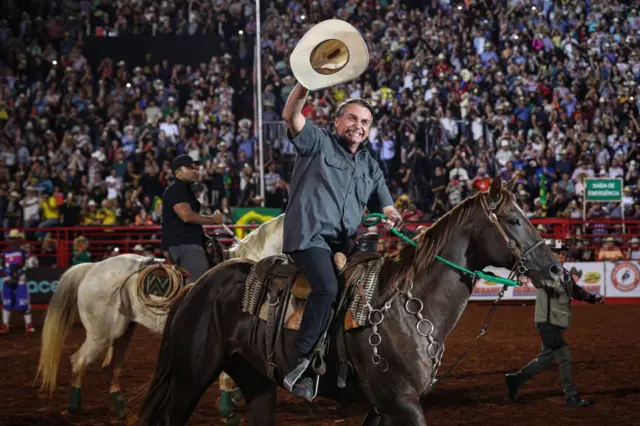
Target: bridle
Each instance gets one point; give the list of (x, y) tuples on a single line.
[(414, 306), (519, 269)]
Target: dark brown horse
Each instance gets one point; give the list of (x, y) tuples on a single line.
[(421, 298)]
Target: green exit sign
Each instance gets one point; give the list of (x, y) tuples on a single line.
[(603, 190)]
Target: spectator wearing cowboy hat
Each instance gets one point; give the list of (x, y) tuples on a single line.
[(552, 318), (81, 251), (634, 250), (609, 251), (15, 294)]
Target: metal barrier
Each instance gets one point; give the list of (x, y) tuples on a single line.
[(274, 132), (58, 243)]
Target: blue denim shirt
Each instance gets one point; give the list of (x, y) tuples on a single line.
[(329, 190)]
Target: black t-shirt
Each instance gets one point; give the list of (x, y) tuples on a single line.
[(174, 231)]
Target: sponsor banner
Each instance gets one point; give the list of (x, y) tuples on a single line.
[(252, 216), (623, 279), (484, 290), (589, 275), (42, 283)]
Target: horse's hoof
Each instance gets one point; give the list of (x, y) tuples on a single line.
[(75, 403), (119, 405), (130, 420), (232, 419), (70, 412)]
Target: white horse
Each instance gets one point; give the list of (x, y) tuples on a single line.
[(110, 316)]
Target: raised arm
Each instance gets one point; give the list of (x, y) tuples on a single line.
[(303, 134), (292, 112)]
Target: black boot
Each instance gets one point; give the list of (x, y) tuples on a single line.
[(512, 386), (297, 381), (575, 401), (304, 388)]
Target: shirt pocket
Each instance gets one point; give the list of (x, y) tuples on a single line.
[(335, 162), (364, 186)]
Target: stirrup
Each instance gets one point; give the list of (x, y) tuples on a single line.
[(315, 387), (291, 378)]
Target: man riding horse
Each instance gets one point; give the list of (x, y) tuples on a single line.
[(334, 178)]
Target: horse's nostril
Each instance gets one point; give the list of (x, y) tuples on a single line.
[(555, 270)]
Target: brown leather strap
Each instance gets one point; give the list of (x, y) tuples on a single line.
[(274, 304)]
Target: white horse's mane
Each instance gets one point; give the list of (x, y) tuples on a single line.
[(265, 241)]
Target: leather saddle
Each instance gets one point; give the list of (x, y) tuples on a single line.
[(276, 293), (282, 275)]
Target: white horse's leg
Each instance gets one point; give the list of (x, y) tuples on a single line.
[(107, 358), (120, 346), (88, 353)]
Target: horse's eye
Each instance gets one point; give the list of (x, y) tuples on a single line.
[(514, 222)]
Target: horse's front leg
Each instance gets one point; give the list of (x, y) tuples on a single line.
[(405, 410)]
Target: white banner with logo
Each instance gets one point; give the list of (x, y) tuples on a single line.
[(589, 275), (623, 279), (489, 291)]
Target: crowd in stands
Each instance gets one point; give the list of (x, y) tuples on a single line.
[(542, 91)]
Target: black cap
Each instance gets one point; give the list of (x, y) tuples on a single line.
[(183, 160)]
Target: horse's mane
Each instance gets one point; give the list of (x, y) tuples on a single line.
[(253, 245), (413, 261)]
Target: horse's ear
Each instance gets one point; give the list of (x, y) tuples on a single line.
[(511, 185), (496, 187)]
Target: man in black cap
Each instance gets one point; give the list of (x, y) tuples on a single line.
[(182, 233), (552, 318)]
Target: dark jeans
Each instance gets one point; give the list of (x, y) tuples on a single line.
[(316, 265)]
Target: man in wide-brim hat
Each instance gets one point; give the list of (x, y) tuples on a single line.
[(552, 318), (334, 177)]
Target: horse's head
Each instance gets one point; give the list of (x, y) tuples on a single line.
[(509, 240), (215, 251)]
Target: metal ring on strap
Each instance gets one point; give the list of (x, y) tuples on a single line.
[(419, 304), (371, 317), (435, 345), (422, 333), (375, 339)]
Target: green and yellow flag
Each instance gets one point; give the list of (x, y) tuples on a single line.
[(252, 216)]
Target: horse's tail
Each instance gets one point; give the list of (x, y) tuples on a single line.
[(155, 407), (60, 315)]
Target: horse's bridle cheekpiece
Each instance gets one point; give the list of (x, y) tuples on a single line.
[(519, 269)]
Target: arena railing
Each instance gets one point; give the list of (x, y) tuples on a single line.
[(55, 245)]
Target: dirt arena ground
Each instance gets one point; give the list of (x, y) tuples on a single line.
[(602, 340)]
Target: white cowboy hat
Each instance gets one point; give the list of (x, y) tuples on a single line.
[(15, 234), (330, 53)]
